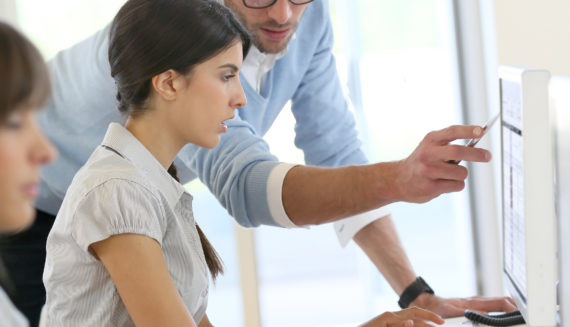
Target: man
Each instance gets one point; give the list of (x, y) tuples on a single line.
[(292, 61)]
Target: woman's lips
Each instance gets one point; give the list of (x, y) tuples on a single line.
[(31, 190), (276, 35), (223, 124)]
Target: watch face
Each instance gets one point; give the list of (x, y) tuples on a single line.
[(426, 286)]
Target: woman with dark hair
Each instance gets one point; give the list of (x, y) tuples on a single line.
[(24, 87), (125, 249)]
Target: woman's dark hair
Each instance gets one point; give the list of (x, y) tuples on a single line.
[(24, 79), (149, 37), (212, 258)]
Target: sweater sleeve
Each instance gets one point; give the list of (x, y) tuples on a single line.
[(236, 172), (325, 127)]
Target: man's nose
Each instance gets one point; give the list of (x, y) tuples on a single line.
[(281, 11)]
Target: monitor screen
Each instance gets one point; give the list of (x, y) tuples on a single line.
[(528, 217), (513, 198)]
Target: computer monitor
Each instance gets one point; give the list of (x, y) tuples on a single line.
[(559, 90), (528, 215)]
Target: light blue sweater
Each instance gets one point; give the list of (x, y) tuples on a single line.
[(237, 170)]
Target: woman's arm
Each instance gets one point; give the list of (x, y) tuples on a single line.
[(205, 322), (136, 265)]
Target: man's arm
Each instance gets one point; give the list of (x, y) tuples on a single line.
[(380, 241), (389, 256), (313, 195)]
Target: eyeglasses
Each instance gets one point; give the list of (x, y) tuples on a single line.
[(260, 4)]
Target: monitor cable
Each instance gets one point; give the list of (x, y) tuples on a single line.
[(505, 319)]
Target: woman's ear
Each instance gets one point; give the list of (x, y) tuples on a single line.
[(167, 84)]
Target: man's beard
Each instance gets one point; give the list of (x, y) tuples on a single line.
[(255, 39), (262, 48)]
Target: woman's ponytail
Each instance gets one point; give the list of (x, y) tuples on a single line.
[(212, 258)]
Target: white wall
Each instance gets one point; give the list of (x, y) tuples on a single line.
[(8, 11), (534, 33)]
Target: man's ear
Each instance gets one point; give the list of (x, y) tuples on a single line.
[(167, 84)]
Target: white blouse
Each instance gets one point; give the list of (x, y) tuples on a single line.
[(121, 189)]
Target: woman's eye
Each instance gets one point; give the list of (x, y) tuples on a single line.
[(227, 77), (14, 121)]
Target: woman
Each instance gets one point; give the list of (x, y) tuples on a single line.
[(24, 87), (125, 249), (125, 237)]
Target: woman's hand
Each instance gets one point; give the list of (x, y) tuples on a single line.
[(412, 317)]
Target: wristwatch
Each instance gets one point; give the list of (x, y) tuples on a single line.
[(411, 292)]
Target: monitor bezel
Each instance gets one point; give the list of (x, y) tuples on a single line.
[(559, 93), (538, 305)]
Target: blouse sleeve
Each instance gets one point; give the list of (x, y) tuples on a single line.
[(118, 207)]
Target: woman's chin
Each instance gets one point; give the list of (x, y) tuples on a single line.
[(209, 144), (17, 218)]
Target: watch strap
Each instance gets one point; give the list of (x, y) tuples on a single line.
[(411, 292)]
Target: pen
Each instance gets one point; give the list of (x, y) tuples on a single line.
[(475, 140)]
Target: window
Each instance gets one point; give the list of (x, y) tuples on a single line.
[(68, 21)]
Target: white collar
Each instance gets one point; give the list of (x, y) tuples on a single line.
[(257, 64), (125, 144)]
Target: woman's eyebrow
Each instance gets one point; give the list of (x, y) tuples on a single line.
[(232, 66)]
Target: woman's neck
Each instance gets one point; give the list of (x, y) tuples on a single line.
[(154, 134)]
